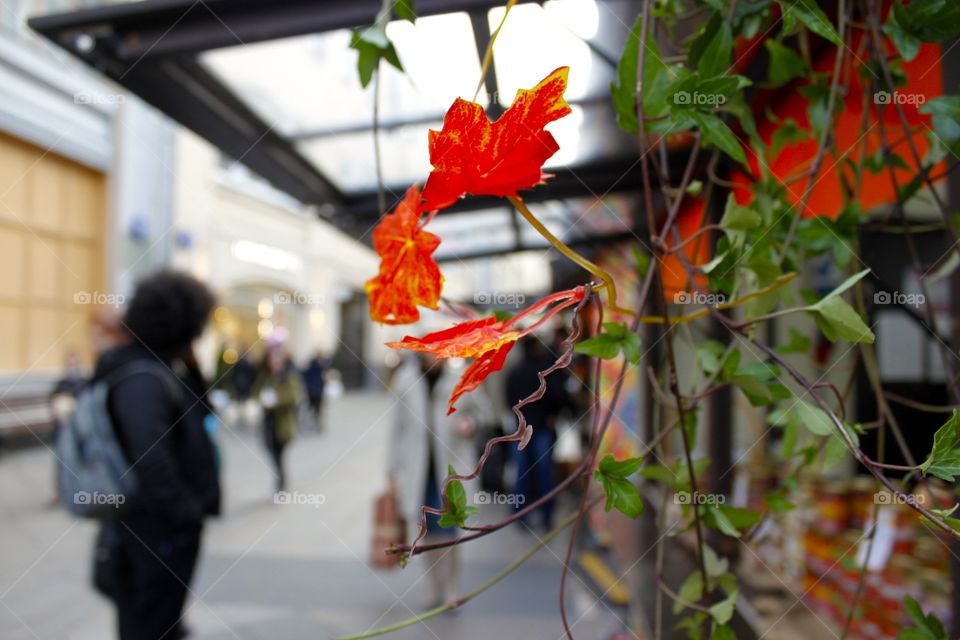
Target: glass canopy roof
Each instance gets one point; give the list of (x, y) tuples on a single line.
[(307, 89)]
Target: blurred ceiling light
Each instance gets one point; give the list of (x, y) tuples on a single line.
[(266, 256), (580, 16), (317, 318), (265, 308), (264, 328)]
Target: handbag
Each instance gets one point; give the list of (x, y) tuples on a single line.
[(389, 529)]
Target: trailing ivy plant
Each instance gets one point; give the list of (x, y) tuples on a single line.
[(691, 97)]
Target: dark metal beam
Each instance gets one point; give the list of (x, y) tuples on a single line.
[(157, 28)]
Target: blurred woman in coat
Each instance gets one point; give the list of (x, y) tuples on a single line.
[(423, 441)]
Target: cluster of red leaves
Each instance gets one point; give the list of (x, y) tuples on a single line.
[(488, 340), (471, 155)]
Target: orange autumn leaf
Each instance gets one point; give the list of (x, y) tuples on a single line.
[(488, 340), (409, 276), (473, 155), (465, 340), (477, 372)]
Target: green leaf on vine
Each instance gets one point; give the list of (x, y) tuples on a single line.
[(616, 338), (946, 116), (728, 519), (926, 626), (624, 90), (723, 610), (798, 343), (722, 632), (621, 493), (718, 134), (944, 515), (944, 459), (788, 133), (373, 45), (711, 50), (739, 218), (659, 473), (643, 262), (837, 319), (457, 509), (811, 16), (404, 10), (785, 64), (690, 592)]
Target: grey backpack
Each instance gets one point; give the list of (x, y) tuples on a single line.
[(94, 477)]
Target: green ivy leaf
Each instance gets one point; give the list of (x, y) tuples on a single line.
[(404, 10), (722, 632), (946, 116), (785, 64), (624, 90), (619, 468), (739, 218), (788, 133), (723, 610), (811, 16), (926, 627), (728, 520), (718, 134), (838, 321), (616, 338), (944, 459), (712, 49), (798, 343), (373, 45), (457, 509), (621, 493), (643, 262), (691, 590)]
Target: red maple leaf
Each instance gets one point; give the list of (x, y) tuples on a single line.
[(408, 275), (488, 339), (473, 155)]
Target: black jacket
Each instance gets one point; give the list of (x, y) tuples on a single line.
[(164, 439)]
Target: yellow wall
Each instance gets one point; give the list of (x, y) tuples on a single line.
[(52, 214)]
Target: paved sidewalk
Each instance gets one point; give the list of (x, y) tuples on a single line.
[(281, 571)]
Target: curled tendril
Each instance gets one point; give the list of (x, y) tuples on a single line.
[(524, 431)]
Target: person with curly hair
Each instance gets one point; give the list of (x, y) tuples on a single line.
[(145, 559)]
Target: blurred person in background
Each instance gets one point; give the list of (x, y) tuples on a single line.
[(145, 560), (534, 463), (279, 390), (242, 376), (314, 375), (423, 442)]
